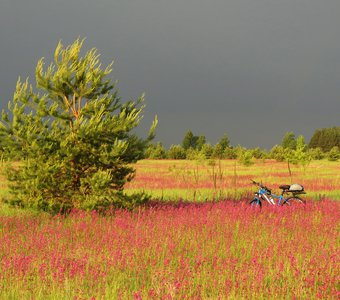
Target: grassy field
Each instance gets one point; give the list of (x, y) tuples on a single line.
[(182, 250), (205, 180)]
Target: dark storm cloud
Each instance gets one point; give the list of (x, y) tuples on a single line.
[(252, 69)]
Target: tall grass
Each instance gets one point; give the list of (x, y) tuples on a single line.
[(221, 250)]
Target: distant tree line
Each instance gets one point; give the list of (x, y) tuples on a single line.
[(325, 139), (324, 144)]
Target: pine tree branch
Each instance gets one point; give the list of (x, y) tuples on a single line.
[(79, 105), (74, 98), (74, 112)]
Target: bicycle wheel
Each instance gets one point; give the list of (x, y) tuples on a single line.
[(256, 203), (294, 200)]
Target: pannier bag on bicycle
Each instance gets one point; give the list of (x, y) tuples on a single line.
[(292, 188), (296, 188)]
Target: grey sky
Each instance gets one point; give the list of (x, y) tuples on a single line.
[(251, 69)]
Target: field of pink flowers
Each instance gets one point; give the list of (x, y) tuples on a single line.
[(221, 250)]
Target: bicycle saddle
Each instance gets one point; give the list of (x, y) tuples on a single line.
[(284, 187)]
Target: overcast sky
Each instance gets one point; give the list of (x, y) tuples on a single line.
[(253, 69)]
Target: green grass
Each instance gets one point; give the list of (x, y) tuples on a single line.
[(200, 181)]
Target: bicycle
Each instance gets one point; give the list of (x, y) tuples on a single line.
[(264, 194)]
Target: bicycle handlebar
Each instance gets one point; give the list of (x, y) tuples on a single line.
[(260, 185), (256, 183)]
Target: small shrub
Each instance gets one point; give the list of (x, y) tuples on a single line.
[(176, 152), (246, 158), (334, 154)]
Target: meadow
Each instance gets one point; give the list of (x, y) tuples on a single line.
[(206, 180), (198, 239)]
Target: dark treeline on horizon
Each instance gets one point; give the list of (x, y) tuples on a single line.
[(325, 143)]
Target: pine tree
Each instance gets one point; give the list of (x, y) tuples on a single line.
[(189, 140), (289, 141), (315, 139), (201, 140), (224, 142), (73, 136)]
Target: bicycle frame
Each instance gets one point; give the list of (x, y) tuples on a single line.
[(282, 199), (264, 194)]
